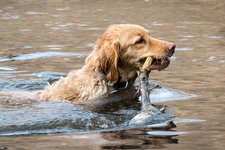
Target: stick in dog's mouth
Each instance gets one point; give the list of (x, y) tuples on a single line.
[(148, 63), (152, 63)]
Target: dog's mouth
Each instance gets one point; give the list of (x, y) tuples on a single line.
[(155, 64), (160, 64)]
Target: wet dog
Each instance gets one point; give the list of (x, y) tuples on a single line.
[(117, 56)]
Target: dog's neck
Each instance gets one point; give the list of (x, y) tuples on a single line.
[(121, 83), (102, 76)]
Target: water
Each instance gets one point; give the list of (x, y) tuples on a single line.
[(42, 40)]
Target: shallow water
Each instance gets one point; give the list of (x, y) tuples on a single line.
[(42, 40)]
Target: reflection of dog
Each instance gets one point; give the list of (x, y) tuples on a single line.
[(116, 57), (135, 139)]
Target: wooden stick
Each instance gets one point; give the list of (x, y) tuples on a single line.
[(144, 85), (145, 99), (147, 63)]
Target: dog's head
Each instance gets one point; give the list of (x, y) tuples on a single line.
[(124, 48)]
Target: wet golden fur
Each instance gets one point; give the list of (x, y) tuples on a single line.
[(118, 53)]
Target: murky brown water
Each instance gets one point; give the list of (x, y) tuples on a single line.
[(56, 36)]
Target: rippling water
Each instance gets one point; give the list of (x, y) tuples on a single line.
[(43, 40)]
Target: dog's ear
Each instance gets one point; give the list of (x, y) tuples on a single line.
[(107, 57)]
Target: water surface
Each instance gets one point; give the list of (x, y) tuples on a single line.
[(42, 40)]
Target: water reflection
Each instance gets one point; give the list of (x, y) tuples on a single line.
[(136, 139)]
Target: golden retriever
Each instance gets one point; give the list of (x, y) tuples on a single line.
[(118, 54)]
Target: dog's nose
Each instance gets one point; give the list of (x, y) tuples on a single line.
[(171, 48)]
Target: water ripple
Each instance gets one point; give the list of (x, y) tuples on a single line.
[(166, 133), (162, 94), (184, 49), (211, 58), (8, 16), (41, 55), (7, 68), (54, 47), (34, 13), (214, 37)]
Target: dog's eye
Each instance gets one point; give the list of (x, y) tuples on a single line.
[(140, 41)]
